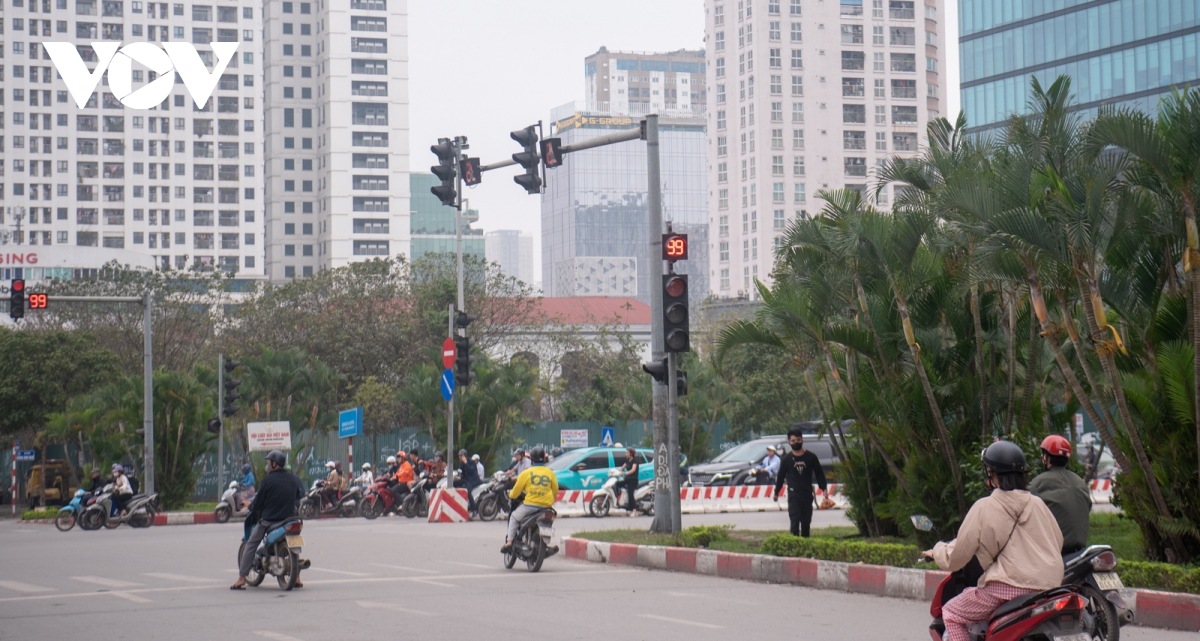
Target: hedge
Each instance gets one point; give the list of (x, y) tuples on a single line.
[(893, 554), (1159, 576), (44, 513)]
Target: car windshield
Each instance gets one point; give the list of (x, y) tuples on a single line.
[(751, 452), (563, 462)]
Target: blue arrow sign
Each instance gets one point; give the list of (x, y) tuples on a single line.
[(26, 455), (350, 422), (608, 436), (448, 384)]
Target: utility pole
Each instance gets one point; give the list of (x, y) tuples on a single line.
[(148, 390), (221, 417), (450, 416), (662, 438), (460, 145)]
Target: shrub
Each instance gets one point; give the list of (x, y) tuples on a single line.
[(44, 513), (1159, 576), (893, 554), (702, 536)]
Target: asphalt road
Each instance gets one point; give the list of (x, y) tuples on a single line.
[(392, 578)]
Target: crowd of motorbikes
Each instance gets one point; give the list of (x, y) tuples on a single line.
[(95, 510)]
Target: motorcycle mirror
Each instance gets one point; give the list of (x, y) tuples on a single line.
[(921, 522)]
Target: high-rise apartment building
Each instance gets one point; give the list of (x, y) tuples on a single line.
[(1117, 52), (804, 96), (336, 110), (624, 83), (180, 182), (513, 251), (432, 223)]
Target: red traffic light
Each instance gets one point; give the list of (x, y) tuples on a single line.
[(676, 287), (674, 247), (18, 285)]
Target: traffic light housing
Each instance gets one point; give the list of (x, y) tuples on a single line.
[(214, 425), (681, 388), (675, 313), (657, 370), (470, 171), (445, 171), (16, 301), (552, 152), (462, 348), (528, 158), (231, 393)]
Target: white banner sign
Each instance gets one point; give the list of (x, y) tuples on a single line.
[(264, 437), (572, 439)]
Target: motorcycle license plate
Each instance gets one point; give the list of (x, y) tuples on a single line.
[(1074, 637), (546, 531), (296, 541), (1108, 581)]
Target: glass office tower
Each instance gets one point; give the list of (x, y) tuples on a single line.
[(1128, 52)]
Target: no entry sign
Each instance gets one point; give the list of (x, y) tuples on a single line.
[(448, 353)]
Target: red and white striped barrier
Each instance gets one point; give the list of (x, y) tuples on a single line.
[(573, 502), (718, 500), (757, 498), (1102, 491), (449, 506), (691, 500)]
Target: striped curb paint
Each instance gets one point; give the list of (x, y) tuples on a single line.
[(1151, 608)]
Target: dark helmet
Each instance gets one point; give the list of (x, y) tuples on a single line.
[(414, 453), (1003, 457), (462, 452), (556, 452), (538, 454), (245, 467), (277, 457)]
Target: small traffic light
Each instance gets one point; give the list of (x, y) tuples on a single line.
[(445, 171), (462, 319), (231, 393), (462, 361), (680, 383), (214, 425), (470, 171), (657, 370), (528, 158), (552, 152), (16, 301), (675, 313)]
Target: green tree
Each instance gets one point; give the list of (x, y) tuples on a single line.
[(41, 370)]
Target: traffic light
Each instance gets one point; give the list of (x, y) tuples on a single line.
[(680, 382), (16, 303), (214, 425), (445, 171), (462, 347), (231, 394), (675, 313), (657, 370), (552, 152), (529, 159), (470, 171)]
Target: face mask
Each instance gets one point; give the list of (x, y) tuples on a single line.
[(796, 447)]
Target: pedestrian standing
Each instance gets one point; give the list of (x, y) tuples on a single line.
[(799, 468), (631, 469)]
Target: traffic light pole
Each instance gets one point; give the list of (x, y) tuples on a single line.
[(673, 439), (458, 151), (450, 458), (221, 417), (662, 438)]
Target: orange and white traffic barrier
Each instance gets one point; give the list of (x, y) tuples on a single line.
[(449, 506), (691, 500), (719, 499), (1102, 491), (573, 502), (757, 498)]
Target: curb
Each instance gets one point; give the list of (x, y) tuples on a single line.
[(1151, 608), (165, 518)]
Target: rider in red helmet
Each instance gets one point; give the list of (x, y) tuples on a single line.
[(1064, 493)]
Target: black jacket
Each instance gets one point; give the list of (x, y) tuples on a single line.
[(800, 473), (277, 495), (469, 474)]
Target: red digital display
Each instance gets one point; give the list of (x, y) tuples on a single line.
[(674, 247), (38, 301)]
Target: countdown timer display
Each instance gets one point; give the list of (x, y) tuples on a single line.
[(674, 247), (38, 301)]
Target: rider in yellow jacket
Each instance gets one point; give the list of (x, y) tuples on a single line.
[(540, 487)]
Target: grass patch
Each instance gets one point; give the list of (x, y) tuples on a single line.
[(197, 507), (44, 513), (1119, 532), (723, 538)]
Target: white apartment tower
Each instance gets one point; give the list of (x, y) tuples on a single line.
[(180, 182), (806, 95), (337, 133)]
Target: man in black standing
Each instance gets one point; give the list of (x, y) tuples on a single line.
[(275, 503), (799, 468)]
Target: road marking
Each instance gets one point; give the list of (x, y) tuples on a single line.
[(275, 635), (23, 587), (432, 582), (338, 571), (108, 583), (179, 577), (681, 621), (392, 606), (130, 597), (401, 567), (687, 594), (472, 565)]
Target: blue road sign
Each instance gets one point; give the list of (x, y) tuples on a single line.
[(26, 455), (350, 422), (608, 436), (448, 384)]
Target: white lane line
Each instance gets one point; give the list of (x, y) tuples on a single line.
[(275, 635), (130, 597), (401, 567), (437, 583), (179, 577), (17, 586), (108, 583), (686, 594), (318, 569), (696, 624), (394, 607), (473, 565)]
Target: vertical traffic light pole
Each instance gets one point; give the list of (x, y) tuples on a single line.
[(221, 418), (459, 147), (148, 391), (662, 453), (450, 417)]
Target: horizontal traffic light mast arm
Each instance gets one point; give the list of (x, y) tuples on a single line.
[(97, 299), (497, 165), (620, 136)]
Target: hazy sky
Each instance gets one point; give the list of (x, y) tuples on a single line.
[(482, 68)]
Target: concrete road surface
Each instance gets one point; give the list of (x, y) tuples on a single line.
[(391, 577)]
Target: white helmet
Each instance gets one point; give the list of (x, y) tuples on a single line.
[(330, 465), (391, 460), (366, 466), (475, 457)]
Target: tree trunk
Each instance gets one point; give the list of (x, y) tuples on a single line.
[(1012, 363), (1108, 426), (1193, 265), (866, 314), (842, 450), (934, 408), (1031, 369), (980, 369)]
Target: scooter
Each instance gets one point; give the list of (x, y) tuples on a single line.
[(492, 501), (229, 504), (532, 544), (378, 500), (101, 511), (607, 497), (69, 514), (311, 506), (1091, 570), (416, 502), (279, 555)]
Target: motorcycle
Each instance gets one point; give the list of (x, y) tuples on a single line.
[(607, 497), (1060, 613), (492, 500), (140, 511), (278, 555), (1091, 570), (69, 514), (312, 506), (416, 502), (532, 544), (379, 500), (228, 506)]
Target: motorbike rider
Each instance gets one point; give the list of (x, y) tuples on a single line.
[(1064, 493), (631, 468), (392, 468), (275, 503), (1013, 536), (97, 482), (437, 469), (248, 479), (122, 490), (468, 478), (540, 487), (511, 471), (333, 482), (766, 470), (478, 465), (367, 477), (402, 480)]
